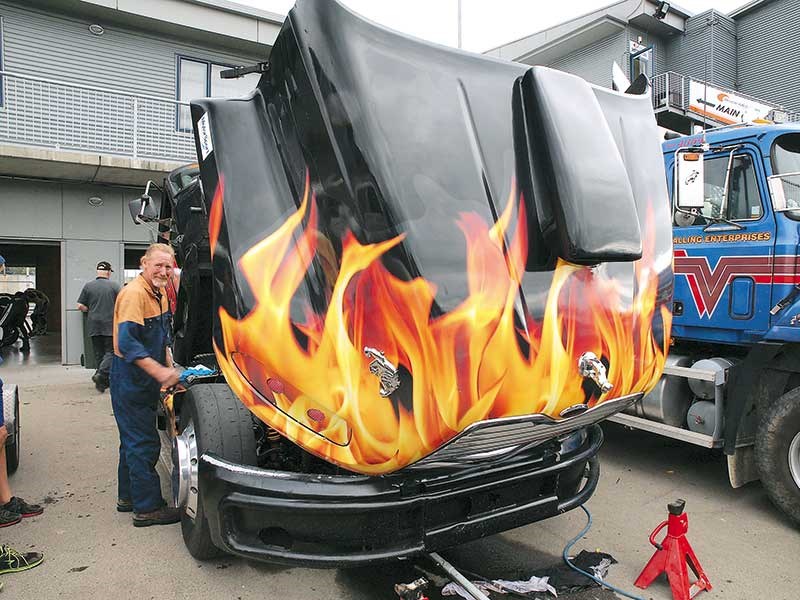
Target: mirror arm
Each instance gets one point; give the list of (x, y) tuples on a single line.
[(154, 184), (724, 208)]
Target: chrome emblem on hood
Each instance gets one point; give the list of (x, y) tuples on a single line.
[(590, 366), (384, 370)]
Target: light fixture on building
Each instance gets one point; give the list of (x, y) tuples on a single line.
[(96, 29), (95, 201), (661, 10)]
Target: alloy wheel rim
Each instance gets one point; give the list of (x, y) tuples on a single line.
[(184, 470), (794, 459)]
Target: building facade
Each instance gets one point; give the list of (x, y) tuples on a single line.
[(690, 59), (93, 104)]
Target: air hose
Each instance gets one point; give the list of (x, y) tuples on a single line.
[(573, 541)]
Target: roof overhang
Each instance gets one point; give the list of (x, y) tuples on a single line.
[(546, 46), (589, 33), (209, 22), (671, 24), (746, 8)]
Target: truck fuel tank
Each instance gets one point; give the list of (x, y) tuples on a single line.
[(670, 399)]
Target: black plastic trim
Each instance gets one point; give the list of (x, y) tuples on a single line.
[(335, 521)]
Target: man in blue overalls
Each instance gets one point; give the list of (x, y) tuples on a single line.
[(142, 366)]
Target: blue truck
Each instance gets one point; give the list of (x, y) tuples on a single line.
[(732, 378)]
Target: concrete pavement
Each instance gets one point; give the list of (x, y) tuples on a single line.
[(68, 462)]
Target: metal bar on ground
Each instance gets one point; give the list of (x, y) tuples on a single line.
[(458, 577)]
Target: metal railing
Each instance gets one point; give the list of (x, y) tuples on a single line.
[(66, 116), (671, 91)]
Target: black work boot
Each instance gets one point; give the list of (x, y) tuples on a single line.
[(100, 382), (165, 515)]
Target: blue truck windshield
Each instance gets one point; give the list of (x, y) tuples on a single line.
[(786, 169)]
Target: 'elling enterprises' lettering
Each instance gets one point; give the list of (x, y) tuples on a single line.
[(715, 238)]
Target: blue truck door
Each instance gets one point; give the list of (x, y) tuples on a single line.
[(784, 150), (723, 272)]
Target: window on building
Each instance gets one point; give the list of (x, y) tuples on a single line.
[(744, 198), (642, 63), (201, 79)]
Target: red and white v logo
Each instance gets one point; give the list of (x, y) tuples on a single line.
[(707, 285)]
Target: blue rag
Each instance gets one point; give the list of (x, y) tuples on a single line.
[(196, 372)]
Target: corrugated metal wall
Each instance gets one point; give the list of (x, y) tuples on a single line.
[(687, 54), (768, 46), (59, 47), (707, 49), (593, 62), (724, 57)]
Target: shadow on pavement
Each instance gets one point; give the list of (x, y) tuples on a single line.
[(495, 557)]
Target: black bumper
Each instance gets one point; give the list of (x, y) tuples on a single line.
[(332, 521)]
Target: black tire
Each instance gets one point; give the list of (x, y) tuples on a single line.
[(223, 426), (12, 449), (778, 427)]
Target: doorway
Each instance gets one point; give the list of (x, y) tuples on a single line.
[(35, 265)]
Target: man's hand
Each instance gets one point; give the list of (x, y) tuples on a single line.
[(168, 377)]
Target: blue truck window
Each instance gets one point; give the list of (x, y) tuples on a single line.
[(744, 199), (786, 167)]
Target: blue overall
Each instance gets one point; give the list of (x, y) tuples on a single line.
[(141, 329)]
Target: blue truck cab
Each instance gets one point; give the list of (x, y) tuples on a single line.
[(732, 379)]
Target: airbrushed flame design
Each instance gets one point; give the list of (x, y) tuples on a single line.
[(464, 366)]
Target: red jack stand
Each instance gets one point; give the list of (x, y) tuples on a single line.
[(672, 555)]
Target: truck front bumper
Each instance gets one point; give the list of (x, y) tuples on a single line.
[(348, 520)]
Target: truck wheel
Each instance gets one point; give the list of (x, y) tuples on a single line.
[(778, 452), (212, 420), (12, 449)]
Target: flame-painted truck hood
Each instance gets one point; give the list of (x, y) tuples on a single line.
[(409, 239)]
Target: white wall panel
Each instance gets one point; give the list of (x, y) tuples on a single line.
[(83, 221), (30, 209), (81, 258)]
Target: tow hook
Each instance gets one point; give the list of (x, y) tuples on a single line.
[(590, 366)]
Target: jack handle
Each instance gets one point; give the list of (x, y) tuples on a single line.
[(655, 532)]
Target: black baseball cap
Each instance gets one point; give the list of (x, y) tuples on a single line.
[(104, 265)]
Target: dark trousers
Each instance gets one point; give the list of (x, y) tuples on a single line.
[(139, 444), (103, 346)]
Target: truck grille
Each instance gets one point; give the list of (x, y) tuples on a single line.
[(493, 439)]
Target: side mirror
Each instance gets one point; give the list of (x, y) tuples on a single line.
[(143, 210), (689, 179)]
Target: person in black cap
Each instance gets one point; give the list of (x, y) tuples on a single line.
[(97, 298)]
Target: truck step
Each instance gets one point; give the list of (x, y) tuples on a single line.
[(699, 439)]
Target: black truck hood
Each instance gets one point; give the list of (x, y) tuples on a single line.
[(408, 239)]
